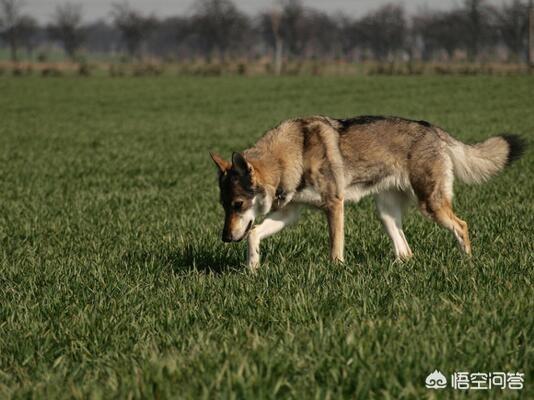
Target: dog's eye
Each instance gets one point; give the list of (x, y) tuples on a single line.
[(238, 205)]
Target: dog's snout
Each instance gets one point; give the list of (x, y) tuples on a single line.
[(226, 237)]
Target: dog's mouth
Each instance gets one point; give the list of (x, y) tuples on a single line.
[(249, 227)]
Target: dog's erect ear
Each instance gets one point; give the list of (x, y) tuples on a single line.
[(241, 165), (221, 163)]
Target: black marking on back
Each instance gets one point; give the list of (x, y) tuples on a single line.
[(361, 120), (424, 123), (421, 122), (370, 119)]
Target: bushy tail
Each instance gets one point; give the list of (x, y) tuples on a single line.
[(479, 162)]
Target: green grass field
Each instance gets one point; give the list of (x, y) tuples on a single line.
[(114, 282)]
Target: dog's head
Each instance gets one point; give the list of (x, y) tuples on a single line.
[(241, 194)]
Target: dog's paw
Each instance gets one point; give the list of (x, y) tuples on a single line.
[(338, 259), (253, 268), (401, 258), (253, 264)]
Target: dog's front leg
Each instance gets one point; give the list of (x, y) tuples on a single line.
[(273, 223), (253, 255), (335, 216)]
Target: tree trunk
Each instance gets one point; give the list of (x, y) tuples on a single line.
[(278, 52), (276, 20), (531, 36), (13, 46)]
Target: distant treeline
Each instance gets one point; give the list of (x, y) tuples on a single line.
[(217, 30)]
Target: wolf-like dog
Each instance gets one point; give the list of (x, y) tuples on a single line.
[(325, 162)]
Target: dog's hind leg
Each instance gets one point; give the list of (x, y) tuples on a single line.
[(273, 223), (446, 218), (434, 191), (390, 205), (335, 215)]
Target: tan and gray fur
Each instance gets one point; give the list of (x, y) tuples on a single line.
[(325, 162)]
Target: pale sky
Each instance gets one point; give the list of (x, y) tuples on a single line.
[(96, 9)]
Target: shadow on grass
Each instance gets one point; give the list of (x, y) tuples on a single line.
[(189, 258)]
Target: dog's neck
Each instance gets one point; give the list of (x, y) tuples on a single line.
[(268, 173)]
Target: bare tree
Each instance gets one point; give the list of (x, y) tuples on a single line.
[(134, 27), (321, 35), (301, 32), (219, 26), (477, 26), (26, 32), (530, 51), (275, 19), (383, 31), (100, 37), (170, 37), (512, 24), (271, 31), (10, 23), (440, 31), (67, 27), (345, 31), (292, 26)]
